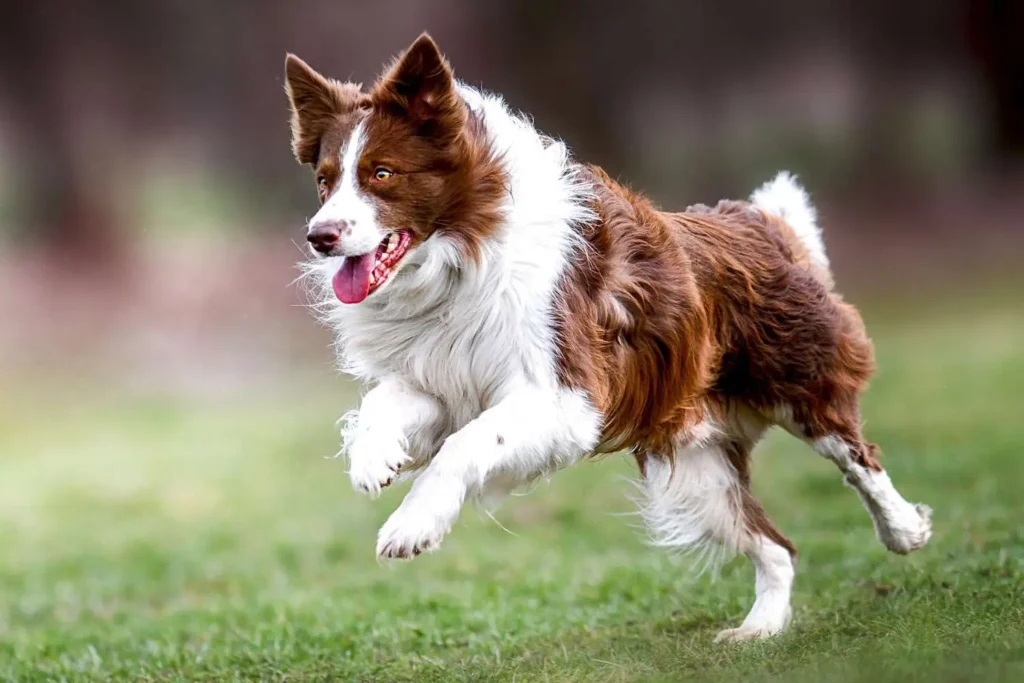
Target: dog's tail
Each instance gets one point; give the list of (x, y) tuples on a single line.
[(783, 197)]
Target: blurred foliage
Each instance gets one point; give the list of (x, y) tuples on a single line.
[(686, 100)]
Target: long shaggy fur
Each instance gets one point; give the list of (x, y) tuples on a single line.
[(542, 312)]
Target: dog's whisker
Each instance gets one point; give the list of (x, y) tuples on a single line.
[(500, 525)]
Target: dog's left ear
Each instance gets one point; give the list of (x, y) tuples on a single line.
[(420, 85), (316, 102)]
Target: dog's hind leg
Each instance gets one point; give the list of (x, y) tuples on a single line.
[(834, 432), (902, 526), (698, 498)]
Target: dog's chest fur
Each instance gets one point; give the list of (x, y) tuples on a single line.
[(469, 331), (467, 350)]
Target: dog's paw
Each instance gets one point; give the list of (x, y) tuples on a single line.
[(908, 531), (422, 520), (375, 462), (735, 635), (766, 623)]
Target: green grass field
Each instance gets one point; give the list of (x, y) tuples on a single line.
[(161, 540)]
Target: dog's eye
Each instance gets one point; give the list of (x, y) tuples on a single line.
[(321, 187), (382, 175)]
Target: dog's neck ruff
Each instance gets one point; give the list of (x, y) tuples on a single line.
[(467, 330)]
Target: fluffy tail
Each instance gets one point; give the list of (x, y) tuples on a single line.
[(785, 198)]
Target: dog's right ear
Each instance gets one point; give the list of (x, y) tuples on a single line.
[(316, 102)]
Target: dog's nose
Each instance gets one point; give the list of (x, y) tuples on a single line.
[(324, 237)]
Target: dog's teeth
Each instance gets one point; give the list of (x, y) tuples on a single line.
[(393, 241)]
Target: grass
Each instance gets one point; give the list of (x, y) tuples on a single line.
[(162, 540)]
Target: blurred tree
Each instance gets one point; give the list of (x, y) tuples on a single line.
[(996, 39), (47, 54), (95, 92)]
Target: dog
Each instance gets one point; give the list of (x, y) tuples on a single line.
[(512, 311)]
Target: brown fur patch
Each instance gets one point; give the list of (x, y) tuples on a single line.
[(323, 110), (634, 334), (789, 243), (674, 315), (446, 177)]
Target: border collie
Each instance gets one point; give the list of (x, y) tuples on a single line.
[(512, 311)]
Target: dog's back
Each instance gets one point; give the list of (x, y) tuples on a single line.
[(788, 339), (684, 314)]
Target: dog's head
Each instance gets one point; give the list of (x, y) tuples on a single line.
[(400, 170)]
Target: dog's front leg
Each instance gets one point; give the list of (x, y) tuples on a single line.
[(530, 431), (394, 423)]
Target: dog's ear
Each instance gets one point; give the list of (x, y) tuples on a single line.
[(420, 86), (316, 102)]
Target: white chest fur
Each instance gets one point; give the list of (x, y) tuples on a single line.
[(467, 333), (470, 343)]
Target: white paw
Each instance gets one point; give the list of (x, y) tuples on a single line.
[(422, 520), (734, 635), (907, 531), (375, 462), (765, 625)]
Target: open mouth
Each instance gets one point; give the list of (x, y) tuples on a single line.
[(360, 276)]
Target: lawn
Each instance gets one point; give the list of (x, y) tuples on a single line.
[(158, 539)]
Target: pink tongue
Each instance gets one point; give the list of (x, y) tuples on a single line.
[(352, 281)]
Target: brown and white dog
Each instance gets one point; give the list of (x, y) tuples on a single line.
[(513, 311)]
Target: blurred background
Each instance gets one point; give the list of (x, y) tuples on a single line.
[(151, 212)]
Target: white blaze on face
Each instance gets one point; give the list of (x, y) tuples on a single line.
[(349, 209)]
